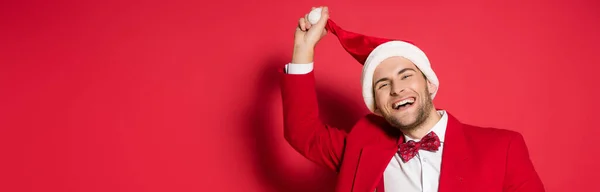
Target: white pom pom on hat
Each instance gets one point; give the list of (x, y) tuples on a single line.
[(314, 15)]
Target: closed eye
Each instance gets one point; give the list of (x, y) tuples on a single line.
[(382, 85), (406, 76)]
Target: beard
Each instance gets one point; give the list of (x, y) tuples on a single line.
[(422, 115)]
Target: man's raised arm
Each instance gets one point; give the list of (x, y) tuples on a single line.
[(303, 128)]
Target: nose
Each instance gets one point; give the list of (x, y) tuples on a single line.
[(396, 89)]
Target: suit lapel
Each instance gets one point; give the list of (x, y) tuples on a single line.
[(374, 158), (372, 163), (455, 158)]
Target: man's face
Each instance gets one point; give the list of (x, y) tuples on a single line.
[(402, 94)]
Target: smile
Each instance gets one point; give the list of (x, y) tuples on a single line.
[(404, 103)]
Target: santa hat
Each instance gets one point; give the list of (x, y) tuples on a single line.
[(371, 51)]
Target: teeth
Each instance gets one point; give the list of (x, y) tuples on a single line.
[(405, 101)]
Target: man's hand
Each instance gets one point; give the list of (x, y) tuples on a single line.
[(307, 36)]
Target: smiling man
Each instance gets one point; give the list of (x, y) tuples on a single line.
[(406, 144)]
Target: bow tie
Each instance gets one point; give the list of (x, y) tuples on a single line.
[(408, 150)]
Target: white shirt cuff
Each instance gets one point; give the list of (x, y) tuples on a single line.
[(299, 69)]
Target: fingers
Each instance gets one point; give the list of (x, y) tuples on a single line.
[(324, 17), (302, 24), (307, 24)]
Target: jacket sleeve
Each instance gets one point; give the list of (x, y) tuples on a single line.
[(520, 173), (303, 128)]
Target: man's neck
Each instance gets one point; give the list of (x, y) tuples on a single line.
[(422, 130)]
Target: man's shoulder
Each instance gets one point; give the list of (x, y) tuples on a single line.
[(493, 138), (491, 132), (371, 126), (370, 122)]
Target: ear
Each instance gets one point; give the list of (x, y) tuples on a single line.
[(431, 87), (377, 112)]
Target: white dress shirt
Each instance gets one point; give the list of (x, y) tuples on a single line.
[(299, 69), (419, 174)]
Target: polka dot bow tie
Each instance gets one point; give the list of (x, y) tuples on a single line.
[(408, 150)]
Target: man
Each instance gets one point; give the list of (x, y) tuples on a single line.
[(405, 144)]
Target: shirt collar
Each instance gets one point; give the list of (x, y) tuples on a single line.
[(439, 128)]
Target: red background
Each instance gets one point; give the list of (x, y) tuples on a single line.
[(184, 95)]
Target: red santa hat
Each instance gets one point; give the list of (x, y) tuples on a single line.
[(371, 51)]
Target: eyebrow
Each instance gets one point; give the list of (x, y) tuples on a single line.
[(399, 72)]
